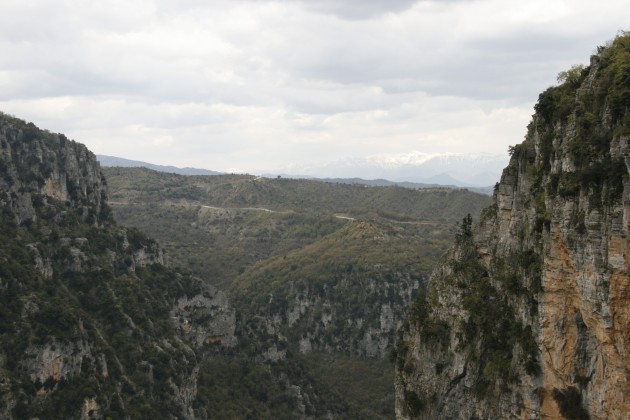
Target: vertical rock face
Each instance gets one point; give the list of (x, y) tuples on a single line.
[(528, 316), (85, 305), (205, 318), (315, 300), (57, 168)]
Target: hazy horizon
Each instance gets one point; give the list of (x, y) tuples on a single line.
[(444, 169), (250, 85)]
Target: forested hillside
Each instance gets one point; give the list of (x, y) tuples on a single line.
[(222, 225), (312, 268), (86, 329), (96, 325)]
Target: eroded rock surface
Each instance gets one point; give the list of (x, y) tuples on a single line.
[(528, 316)]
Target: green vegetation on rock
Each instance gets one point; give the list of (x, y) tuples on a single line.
[(310, 266), (85, 318), (94, 323), (521, 299)]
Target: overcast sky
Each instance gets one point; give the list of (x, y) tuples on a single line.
[(256, 84)]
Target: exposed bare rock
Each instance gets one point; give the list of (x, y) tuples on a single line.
[(85, 330), (528, 316), (58, 168), (43, 265), (320, 318), (205, 318), (53, 361), (90, 409)]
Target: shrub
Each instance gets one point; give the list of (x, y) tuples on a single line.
[(570, 403)]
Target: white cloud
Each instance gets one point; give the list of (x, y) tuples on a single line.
[(261, 84)]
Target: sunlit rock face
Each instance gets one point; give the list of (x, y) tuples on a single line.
[(528, 316)]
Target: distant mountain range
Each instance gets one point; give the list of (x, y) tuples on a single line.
[(476, 172), (405, 184), (126, 163), (461, 170)]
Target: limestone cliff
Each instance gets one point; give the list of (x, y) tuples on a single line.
[(356, 314), (93, 324), (90, 318), (56, 168), (528, 316), (347, 293)]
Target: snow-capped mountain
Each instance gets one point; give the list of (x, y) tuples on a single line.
[(447, 169), (461, 170)]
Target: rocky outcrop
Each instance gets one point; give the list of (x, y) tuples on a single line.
[(49, 363), (57, 168), (90, 409), (356, 313), (347, 293), (527, 316), (325, 322), (206, 318), (85, 330)]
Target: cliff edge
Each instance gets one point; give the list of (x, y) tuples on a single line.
[(528, 315), (92, 324)]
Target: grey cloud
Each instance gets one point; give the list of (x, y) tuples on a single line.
[(344, 9), (398, 60), (514, 66), (358, 9), (238, 71), (364, 9)]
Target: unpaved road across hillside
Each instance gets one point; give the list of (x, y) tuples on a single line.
[(263, 209), (247, 208)]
